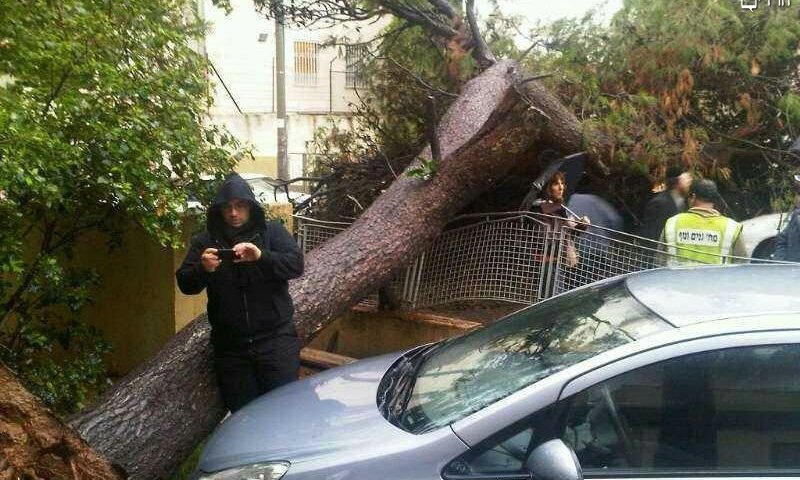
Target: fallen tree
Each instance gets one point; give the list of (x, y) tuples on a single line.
[(497, 118), (150, 420), (408, 215), (34, 444)]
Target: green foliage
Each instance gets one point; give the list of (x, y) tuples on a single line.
[(189, 465), (707, 85), (102, 124), (60, 364), (426, 169), (390, 122), (790, 109), (403, 70)]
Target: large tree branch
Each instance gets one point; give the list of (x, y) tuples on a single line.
[(564, 131), (433, 137), (444, 7), (482, 53), (382, 37), (307, 13), (421, 18)]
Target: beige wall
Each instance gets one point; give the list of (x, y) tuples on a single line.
[(134, 302), (259, 164)]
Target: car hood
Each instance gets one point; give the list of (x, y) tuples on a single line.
[(328, 413)]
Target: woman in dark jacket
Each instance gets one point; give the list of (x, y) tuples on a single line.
[(557, 218), (244, 263)]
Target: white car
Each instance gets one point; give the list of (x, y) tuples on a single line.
[(267, 190), (758, 234)]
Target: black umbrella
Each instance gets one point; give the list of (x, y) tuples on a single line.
[(572, 166)]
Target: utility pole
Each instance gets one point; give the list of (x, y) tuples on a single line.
[(280, 74)]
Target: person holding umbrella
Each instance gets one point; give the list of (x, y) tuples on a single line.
[(553, 190), (557, 215)]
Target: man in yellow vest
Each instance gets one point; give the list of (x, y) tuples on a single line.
[(702, 235)]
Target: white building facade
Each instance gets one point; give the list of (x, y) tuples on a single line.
[(321, 82)]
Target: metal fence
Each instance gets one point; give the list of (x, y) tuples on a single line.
[(517, 257)]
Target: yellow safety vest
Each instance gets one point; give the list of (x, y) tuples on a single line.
[(700, 237)]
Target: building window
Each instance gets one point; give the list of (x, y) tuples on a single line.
[(355, 56), (306, 63)]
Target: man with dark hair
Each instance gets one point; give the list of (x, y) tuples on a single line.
[(702, 235), (244, 263), (787, 244), (663, 205)]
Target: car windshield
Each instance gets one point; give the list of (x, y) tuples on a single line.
[(468, 373)]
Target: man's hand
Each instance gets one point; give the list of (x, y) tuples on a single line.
[(246, 252), (210, 260)]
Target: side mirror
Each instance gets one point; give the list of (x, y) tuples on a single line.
[(554, 460)]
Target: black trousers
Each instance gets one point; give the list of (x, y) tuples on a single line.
[(253, 370)]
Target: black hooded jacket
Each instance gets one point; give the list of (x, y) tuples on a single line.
[(247, 301)]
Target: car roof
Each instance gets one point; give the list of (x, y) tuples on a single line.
[(685, 296)]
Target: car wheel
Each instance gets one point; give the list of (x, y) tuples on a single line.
[(764, 250)]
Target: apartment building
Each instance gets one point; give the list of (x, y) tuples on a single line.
[(321, 81)]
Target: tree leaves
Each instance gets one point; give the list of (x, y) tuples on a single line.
[(722, 77), (102, 124)]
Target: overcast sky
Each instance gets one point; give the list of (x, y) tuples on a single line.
[(549, 10)]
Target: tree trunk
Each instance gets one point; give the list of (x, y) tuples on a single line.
[(152, 419), (482, 135), (34, 444)]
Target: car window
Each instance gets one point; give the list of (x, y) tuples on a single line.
[(506, 452), (473, 371), (733, 409)]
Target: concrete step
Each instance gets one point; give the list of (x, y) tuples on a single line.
[(313, 361), (366, 332)]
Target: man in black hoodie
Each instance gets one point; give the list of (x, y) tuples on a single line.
[(256, 347)]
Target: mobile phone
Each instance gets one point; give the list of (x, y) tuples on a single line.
[(226, 254)]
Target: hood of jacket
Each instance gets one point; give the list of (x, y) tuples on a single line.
[(234, 187)]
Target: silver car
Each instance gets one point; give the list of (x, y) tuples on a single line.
[(671, 373)]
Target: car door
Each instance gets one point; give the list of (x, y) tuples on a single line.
[(728, 412), (724, 406)]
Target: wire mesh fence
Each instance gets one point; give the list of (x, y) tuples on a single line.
[(312, 233), (518, 257), (493, 259), (601, 254)]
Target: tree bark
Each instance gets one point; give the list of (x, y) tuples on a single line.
[(34, 444), (153, 418)]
